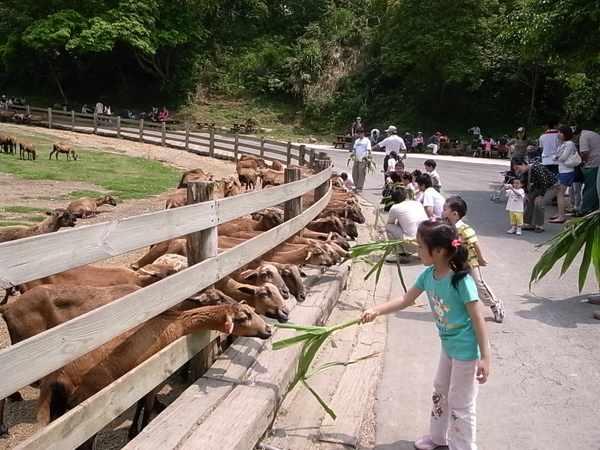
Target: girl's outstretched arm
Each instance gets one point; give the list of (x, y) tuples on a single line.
[(483, 370), (395, 304)]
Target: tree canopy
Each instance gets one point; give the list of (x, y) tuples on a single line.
[(490, 62)]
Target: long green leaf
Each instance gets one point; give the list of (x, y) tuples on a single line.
[(574, 249), (586, 260), (291, 341), (325, 406)]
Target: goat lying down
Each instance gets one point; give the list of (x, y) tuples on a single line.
[(67, 387)]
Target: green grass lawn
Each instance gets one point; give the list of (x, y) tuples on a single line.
[(123, 177)]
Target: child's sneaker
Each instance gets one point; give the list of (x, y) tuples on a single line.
[(499, 313), (518, 231), (425, 443), (513, 230)]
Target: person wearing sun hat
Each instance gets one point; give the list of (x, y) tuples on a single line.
[(392, 143), (418, 141), (520, 143)]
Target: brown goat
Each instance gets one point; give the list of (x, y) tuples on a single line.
[(276, 165), (292, 276), (8, 144), (58, 218), (305, 255), (29, 148), (88, 207), (67, 387), (194, 175), (265, 273), (327, 224), (265, 299), (104, 276), (31, 118), (45, 307), (64, 147), (248, 157), (177, 199), (247, 177), (270, 177), (269, 218), (175, 246)]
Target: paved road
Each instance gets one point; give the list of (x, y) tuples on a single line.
[(545, 375)]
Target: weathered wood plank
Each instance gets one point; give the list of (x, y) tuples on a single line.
[(56, 347), (92, 415), (354, 384), (172, 425), (237, 423), (38, 256)]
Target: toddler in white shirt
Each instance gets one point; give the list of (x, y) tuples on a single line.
[(515, 205)]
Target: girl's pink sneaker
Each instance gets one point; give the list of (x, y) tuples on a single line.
[(425, 443)]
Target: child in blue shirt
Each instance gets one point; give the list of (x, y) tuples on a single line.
[(465, 357)]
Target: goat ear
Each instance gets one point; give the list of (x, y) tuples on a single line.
[(302, 273), (242, 302), (251, 276), (178, 266), (247, 290), (330, 235), (229, 325), (308, 255)]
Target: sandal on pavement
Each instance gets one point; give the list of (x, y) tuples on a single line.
[(539, 230), (553, 217), (594, 299), (528, 228), (557, 220)]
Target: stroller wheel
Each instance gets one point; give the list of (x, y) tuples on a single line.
[(493, 197)]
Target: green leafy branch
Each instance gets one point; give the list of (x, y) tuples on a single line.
[(314, 337), (579, 234), (368, 160)]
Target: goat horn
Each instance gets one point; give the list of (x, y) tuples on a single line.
[(229, 325), (147, 272), (308, 255)]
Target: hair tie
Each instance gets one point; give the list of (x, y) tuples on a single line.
[(456, 243)]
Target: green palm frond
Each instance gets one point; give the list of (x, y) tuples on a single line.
[(579, 234)]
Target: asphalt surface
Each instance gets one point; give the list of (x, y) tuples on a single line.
[(545, 374)]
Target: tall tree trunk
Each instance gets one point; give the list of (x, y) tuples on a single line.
[(534, 81), (57, 81)]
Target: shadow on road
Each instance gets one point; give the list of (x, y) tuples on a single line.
[(561, 313)]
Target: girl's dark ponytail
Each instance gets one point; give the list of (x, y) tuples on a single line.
[(442, 234), (459, 264)]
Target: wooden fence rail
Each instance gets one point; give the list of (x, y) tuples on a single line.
[(35, 257), (203, 141)]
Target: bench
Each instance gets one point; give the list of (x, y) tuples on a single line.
[(242, 127), (201, 125)]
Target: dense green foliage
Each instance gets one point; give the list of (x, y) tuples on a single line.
[(494, 63)]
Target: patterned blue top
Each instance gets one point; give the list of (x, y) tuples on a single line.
[(452, 318)]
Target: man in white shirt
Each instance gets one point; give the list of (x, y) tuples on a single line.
[(432, 200), (392, 143), (403, 221), (361, 149), (549, 143)]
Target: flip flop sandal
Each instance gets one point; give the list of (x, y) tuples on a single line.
[(528, 228), (553, 218), (539, 230), (556, 221)]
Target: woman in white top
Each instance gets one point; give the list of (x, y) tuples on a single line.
[(432, 200), (403, 221), (566, 174)]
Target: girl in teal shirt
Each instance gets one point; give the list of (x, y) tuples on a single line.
[(465, 357)]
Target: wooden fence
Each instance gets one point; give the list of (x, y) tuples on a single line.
[(205, 142), (35, 257)]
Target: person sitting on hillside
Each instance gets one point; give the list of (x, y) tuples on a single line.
[(86, 110)]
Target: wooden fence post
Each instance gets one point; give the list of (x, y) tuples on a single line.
[(72, 120), (289, 153), (211, 144), (320, 166), (236, 147), (187, 136), (323, 155), (163, 127), (262, 147), (118, 127), (292, 207), (202, 245), (95, 123), (49, 117), (312, 158), (141, 130), (27, 109), (302, 153)]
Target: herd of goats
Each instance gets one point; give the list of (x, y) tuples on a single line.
[(234, 306)]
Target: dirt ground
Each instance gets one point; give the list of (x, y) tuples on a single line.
[(20, 417)]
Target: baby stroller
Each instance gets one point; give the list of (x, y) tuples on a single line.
[(509, 176)]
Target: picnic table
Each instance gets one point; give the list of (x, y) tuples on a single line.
[(201, 125), (342, 140), (242, 128)]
